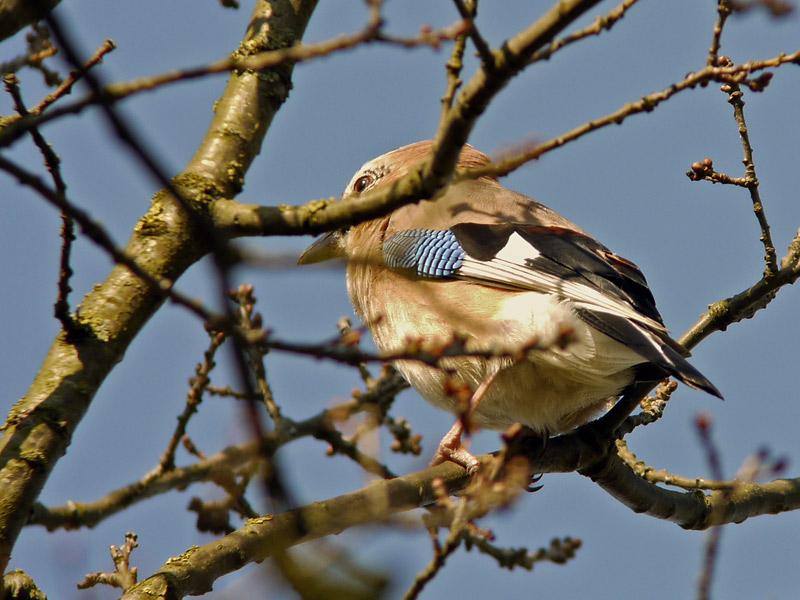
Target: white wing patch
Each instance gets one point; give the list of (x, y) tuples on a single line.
[(509, 269)]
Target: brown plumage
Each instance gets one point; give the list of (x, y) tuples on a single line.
[(552, 390)]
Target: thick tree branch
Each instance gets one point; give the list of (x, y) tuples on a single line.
[(195, 571), (41, 424), (16, 14)]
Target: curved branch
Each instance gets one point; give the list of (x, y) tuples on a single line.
[(693, 509), (195, 571), (747, 302)]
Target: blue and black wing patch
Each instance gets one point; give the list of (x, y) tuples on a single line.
[(427, 252)]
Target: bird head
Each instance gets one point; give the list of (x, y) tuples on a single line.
[(382, 171)]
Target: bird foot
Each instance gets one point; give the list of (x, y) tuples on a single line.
[(526, 442), (452, 449)]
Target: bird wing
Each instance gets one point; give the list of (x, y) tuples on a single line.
[(606, 291)]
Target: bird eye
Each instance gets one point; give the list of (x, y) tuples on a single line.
[(362, 183)]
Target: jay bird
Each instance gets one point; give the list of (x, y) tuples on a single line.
[(501, 271)]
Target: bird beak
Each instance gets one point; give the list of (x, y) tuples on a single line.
[(326, 247)]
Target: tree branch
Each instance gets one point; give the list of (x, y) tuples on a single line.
[(41, 424), (195, 571), (16, 14)]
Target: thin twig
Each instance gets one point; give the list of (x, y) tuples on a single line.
[(115, 92), (770, 257), (453, 68), (53, 164), (714, 535), (723, 12), (231, 461), (250, 321), (560, 551), (124, 575), (440, 552), (235, 219), (469, 11), (39, 48), (216, 244), (97, 234), (728, 74), (704, 170), (74, 76), (420, 350), (654, 475), (194, 397), (598, 26)]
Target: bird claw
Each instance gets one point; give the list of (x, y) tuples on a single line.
[(451, 449), (460, 456), (535, 478)]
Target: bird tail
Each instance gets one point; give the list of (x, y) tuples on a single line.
[(677, 366), (664, 355)]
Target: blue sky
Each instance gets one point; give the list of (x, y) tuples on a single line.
[(695, 242)]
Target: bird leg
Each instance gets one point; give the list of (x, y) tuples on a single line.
[(451, 446)]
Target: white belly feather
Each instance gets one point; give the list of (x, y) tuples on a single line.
[(553, 390)]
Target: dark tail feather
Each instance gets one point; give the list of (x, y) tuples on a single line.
[(685, 372), (665, 355)]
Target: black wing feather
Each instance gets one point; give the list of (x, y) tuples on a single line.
[(573, 256), (566, 254)]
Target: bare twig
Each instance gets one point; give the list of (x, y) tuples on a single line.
[(197, 386), (431, 353), (653, 406), (723, 12), (235, 219), (747, 302), (53, 164), (441, 552), (39, 48), (704, 170), (654, 475), (770, 259), (231, 461), (250, 321), (115, 92), (598, 26), (714, 535), (216, 244), (124, 576), (455, 64), (468, 11), (738, 73), (42, 424), (196, 570), (776, 8), (97, 234), (560, 551), (74, 76)]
